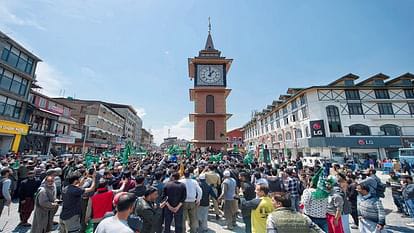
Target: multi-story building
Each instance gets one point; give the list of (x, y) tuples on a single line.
[(147, 139), (101, 126), (133, 123), (172, 141), (50, 129), (369, 119), (235, 137), (17, 72)]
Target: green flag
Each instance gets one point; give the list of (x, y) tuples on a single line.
[(188, 150), (248, 158), (236, 148)]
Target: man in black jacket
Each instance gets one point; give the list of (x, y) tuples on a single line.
[(147, 209), (202, 210), (27, 189), (176, 193)]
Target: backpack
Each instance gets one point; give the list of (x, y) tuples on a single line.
[(381, 189)]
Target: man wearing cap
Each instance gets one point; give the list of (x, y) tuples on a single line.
[(101, 202), (230, 203), (27, 189), (147, 209), (202, 210)]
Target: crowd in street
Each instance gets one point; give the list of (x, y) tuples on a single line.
[(157, 193)]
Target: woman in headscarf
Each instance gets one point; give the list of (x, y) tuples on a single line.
[(315, 201)]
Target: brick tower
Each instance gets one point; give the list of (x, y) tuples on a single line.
[(209, 71)]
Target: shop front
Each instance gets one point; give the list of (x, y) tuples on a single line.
[(60, 144), (361, 148), (10, 135)]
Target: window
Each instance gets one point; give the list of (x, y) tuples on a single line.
[(334, 120), (382, 94), (23, 87), (209, 104), (6, 80), (285, 110), (352, 94), (3, 101), (355, 109), (359, 130), (210, 130), (302, 100), (409, 93), (17, 59), (295, 116), (286, 120), (276, 114), (277, 123), (304, 111), (411, 107), (288, 136), (294, 105), (298, 133), (390, 130), (280, 137), (42, 102), (15, 87), (385, 109)]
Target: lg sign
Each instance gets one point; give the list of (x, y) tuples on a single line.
[(365, 142), (317, 128)]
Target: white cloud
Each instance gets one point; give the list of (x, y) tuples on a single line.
[(51, 80), (140, 112), (182, 129), (7, 17)]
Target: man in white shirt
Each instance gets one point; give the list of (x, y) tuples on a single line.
[(119, 222), (194, 194)]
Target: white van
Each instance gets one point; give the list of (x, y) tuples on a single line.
[(311, 161)]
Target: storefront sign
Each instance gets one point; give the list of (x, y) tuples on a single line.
[(317, 128), (365, 142), (64, 140), (10, 127)]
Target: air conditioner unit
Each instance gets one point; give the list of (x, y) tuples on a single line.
[(412, 145)]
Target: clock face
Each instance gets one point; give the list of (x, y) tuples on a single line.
[(210, 75)]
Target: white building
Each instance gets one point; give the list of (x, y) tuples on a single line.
[(370, 119)]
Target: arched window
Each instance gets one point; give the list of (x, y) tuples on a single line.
[(280, 137), (210, 130), (334, 120), (359, 130), (288, 136), (209, 104), (390, 130), (298, 133)]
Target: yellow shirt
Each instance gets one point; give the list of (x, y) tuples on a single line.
[(259, 215)]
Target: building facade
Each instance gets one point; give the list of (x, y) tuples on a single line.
[(101, 127), (235, 137), (50, 127), (133, 123), (369, 119), (17, 72), (209, 71), (174, 141), (147, 139)]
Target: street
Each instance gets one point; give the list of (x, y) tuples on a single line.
[(395, 223)]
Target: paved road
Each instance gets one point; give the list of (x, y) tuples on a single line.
[(395, 223)]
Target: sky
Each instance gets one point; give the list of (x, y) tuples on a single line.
[(135, 51)]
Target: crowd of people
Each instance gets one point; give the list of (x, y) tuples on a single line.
[(158, 193)]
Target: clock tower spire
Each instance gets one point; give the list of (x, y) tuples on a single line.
[(209, 71)]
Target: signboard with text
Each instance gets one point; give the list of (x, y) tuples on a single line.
[(317, 128)]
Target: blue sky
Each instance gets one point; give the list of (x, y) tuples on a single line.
[(135, 52)]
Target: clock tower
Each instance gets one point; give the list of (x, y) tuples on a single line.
[(209, 71)]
